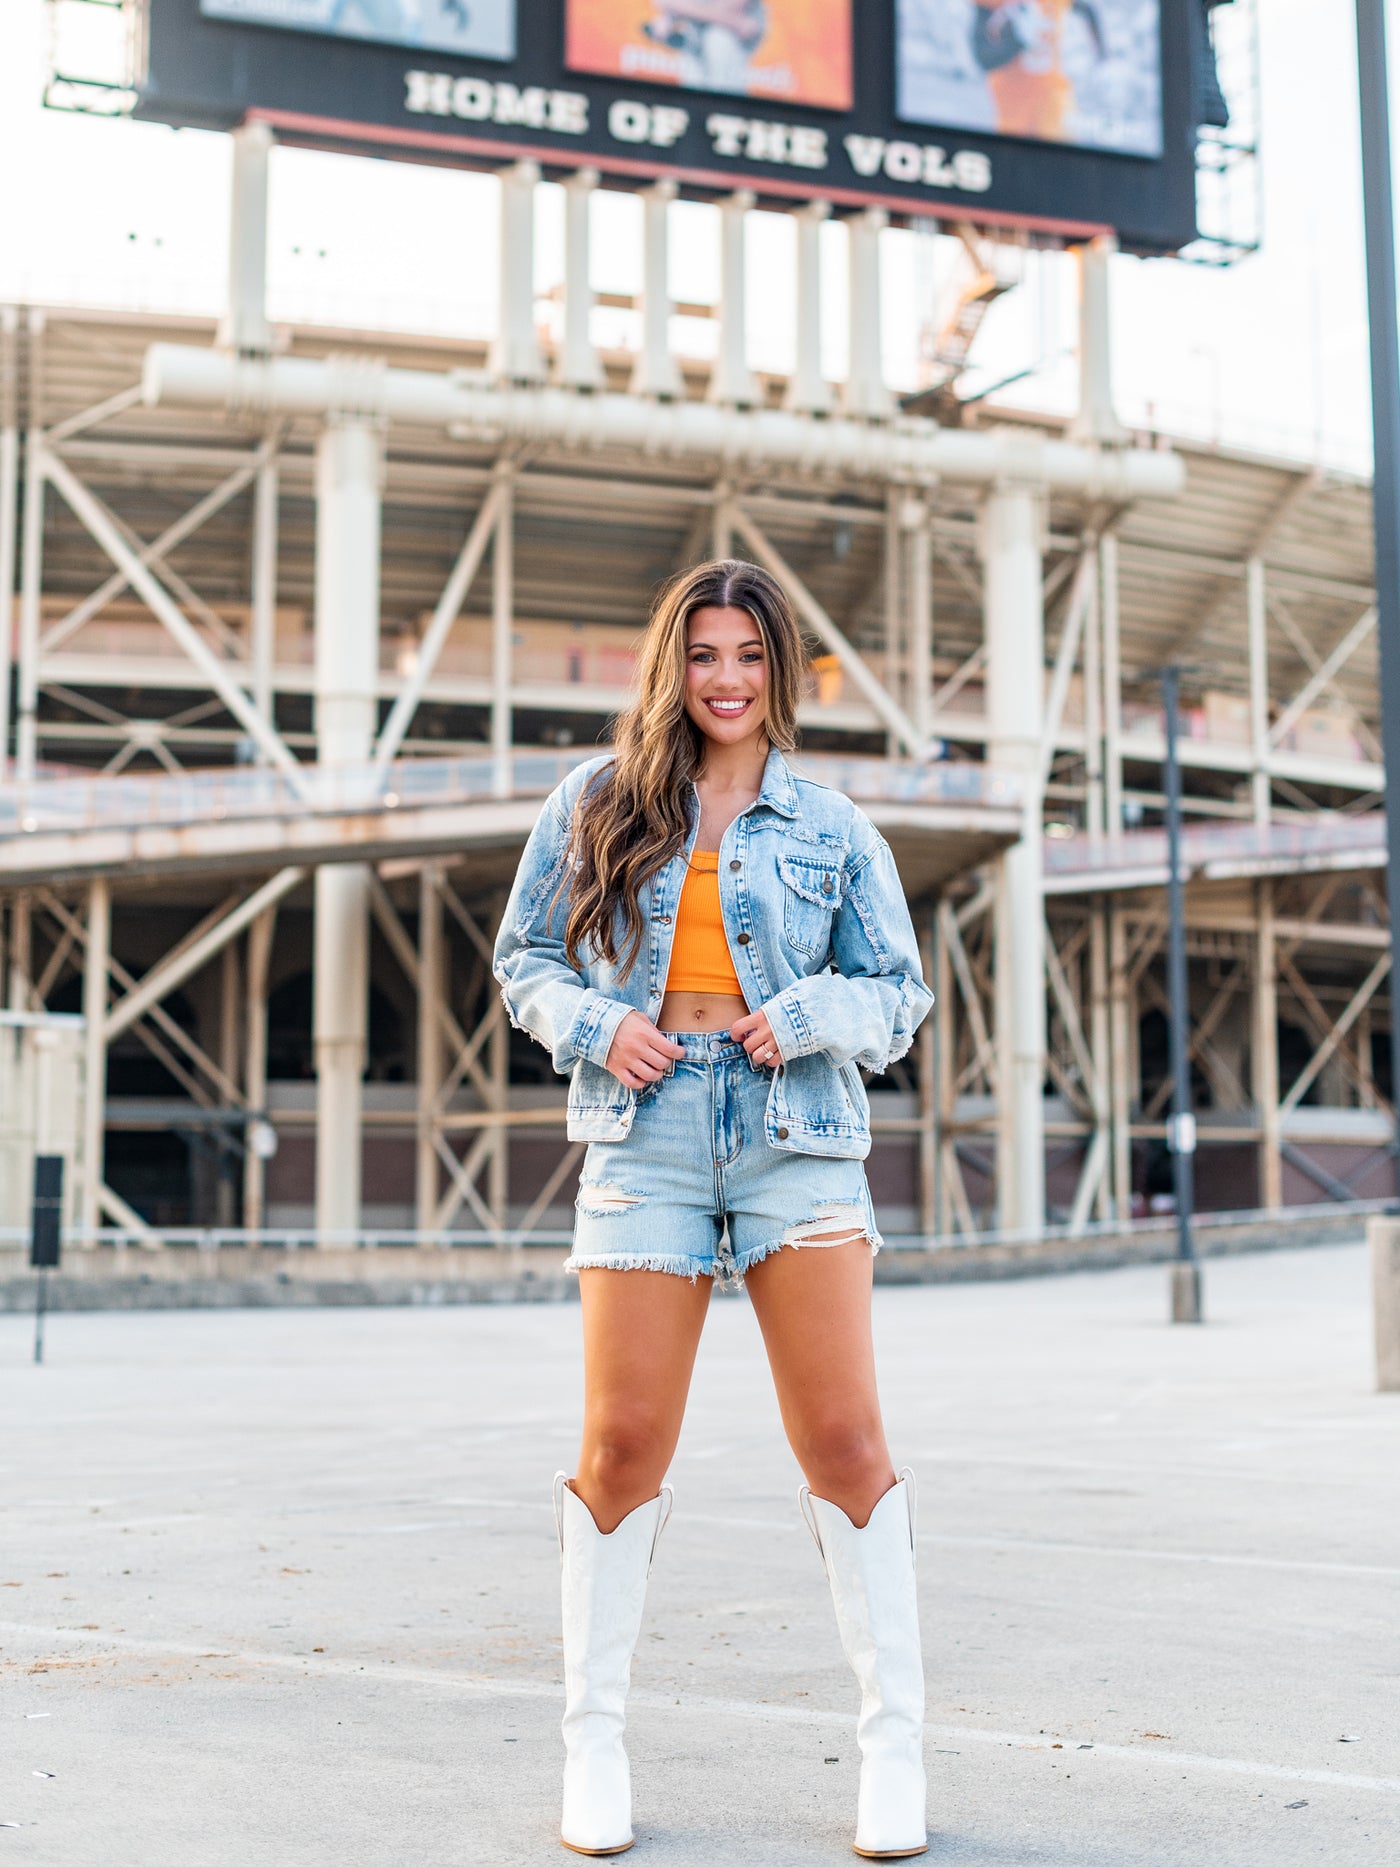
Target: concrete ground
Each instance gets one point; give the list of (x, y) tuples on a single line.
[(280, 1587)]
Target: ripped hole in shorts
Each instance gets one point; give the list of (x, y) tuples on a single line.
[(599, 1200), (835, 1222)]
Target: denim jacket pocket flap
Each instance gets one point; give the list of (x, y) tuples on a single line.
[(813, 878), (811, 892)]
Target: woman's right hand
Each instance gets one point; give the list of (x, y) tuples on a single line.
[(638, 1054)]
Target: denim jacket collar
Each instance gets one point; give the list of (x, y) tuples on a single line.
[(778, 790)]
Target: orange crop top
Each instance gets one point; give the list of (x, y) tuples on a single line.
[(700, 960)]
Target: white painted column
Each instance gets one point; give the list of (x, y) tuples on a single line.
[(430, 982), (515, 355), (255, 1062), (1096, 421), (502, 631), (244, 326), (1011, 534), (9, 494), (19, 996), (577, 365), (1257, 607), (30, 584), (917, 522), (657, 372), (348, 466), (722, 522), (263, 622), (99, 948), (1120, 1032), (808, 392), (731, 380), (1264, 1060), (866, 394), (1112, 688)]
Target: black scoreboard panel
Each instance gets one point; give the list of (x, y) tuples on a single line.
[(1066, 117)]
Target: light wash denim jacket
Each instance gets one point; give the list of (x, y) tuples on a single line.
[(821, 939)]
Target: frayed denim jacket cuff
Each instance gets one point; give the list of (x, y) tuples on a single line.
[(593, 1030), (790, 1029)]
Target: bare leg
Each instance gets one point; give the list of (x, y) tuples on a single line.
[(813, 1306), (640, 1333)]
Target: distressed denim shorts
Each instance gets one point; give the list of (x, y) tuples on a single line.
[(696, 1188)]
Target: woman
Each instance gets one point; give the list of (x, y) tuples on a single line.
[(712, 946)]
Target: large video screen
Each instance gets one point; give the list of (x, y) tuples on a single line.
[(793, 51), (1083, 72), (481, 28)]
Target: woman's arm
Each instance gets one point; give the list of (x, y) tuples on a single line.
[(869, 1008), (543, 993)]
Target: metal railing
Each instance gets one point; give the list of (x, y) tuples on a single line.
[(1207, 844), (89, 801), (297, 1242)]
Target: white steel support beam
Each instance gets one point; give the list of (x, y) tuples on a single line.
[(1322, 676), (349, 468), (917, 524), (449, 606), (808, 391), (515, 355), (190, 956), (502, 631), (866, 397), (156, 552), (656, 372), (245, 326), (731, 379), (1120, 1008), (95, 1040), (19, 957), (260, 936), (430, 992), (577, 365), (263, 617), (1093, 708), (1012, 528), (31, 573), (1096, 421), (762, 439), (1256, 603), (890, 713), (1324, 1053), (9, 494), (99, 522), (1068, 653), (1264, 1050), (1112, 687)]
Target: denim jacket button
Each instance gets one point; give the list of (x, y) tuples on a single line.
[(782, 1134), (736, 865), (744, 939)]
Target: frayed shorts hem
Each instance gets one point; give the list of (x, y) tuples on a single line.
[(725, 1270)]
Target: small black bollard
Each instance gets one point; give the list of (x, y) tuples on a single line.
[(46, 1236)]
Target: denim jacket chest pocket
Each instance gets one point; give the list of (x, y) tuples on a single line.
[(811, 894)]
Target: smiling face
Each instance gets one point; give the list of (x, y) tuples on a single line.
[(726, 675)]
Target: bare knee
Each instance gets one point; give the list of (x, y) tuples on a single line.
[(847, 1462), (621, 1465)]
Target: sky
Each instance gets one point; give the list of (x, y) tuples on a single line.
[(1268, 355)]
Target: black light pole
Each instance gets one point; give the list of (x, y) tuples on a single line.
[(1378, 188), (1186, 1271), (45, 1235)]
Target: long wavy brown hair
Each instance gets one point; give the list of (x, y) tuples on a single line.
[(634, 815)]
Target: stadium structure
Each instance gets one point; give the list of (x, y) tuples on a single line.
[(306, 622)]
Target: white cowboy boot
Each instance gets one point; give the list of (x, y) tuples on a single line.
[(604, 1588), (871, 1572)]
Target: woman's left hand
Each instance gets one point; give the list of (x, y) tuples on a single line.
[(755, 1033)]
